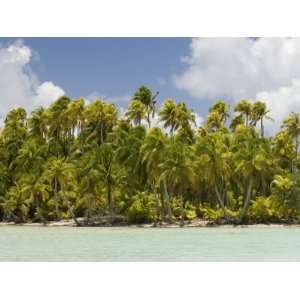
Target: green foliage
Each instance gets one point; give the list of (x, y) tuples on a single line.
[(263, 210), (142, 209), (78, 160)]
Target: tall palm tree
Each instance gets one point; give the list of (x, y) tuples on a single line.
[(215, 158), (136, 112), (100, 117), (168, 115), (244, 107), (152, 154), (145, 96), (37, 192), (59, 174), (57, 120), (16, 206), (292, 127), (37, 124), (177, 170), (106, 161), (251, 159), (258, 114)]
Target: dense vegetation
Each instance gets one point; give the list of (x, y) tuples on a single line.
[(85, 162)]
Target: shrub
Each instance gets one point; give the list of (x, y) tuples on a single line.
[(263, 210), (142, 209)]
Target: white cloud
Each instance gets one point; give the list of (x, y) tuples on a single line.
[(281, 102), (234, 68), (19, 85)]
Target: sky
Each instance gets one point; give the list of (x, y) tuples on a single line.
[(199, 71)]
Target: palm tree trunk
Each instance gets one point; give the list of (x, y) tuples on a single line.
[(101, 133), (221, 202), (262, 127), (181, 208), (156, 205), (89, 209), (247, 200), (110, 201), (162, 213), (166, 196), (148, 120), (37, 205), (70, 208), (56, 200)]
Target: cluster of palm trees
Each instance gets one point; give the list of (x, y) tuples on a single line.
[(86, 162)]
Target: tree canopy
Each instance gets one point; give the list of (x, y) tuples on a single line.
[(151, 165)]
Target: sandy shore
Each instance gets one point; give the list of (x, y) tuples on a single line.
[(196, 223)]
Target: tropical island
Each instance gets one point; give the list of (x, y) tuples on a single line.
[(152, 165)]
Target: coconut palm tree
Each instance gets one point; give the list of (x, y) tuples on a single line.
[(168, 115), (292, 127), (244, 107), (251, 159), (177, 170), (258, 114), (145, 96), (106, 162), (58, 174), (152, 155), (213, 156), (136, 112)]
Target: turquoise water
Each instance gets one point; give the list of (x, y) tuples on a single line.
[(149, 244)]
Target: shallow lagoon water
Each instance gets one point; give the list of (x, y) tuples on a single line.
[(25, 243)]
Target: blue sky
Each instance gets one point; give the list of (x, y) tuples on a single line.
[(109, 67), (199, 71)]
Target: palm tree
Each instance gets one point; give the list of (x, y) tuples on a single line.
[(152, 154), (57, 120), (185, 117), (176, 116), (16, 205), (259, 113), (214, 158), (75, 117), (136, 112), (145, 96), (100, 117), (177, 169), (292, 127), (251, 158), (37, 192), (59, 174), (106, 160), (244, 107), (222, 109), (37, 124), (168, 115)]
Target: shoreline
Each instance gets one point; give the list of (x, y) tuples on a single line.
[(195, 224)]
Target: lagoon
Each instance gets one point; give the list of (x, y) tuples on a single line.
[(118, 244)]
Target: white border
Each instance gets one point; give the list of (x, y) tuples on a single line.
[(149, 18), (149, 281)]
